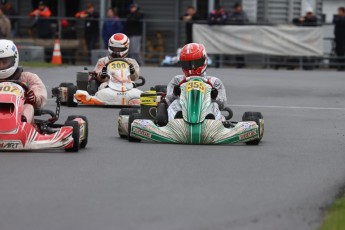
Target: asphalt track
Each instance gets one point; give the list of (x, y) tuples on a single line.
[(284, 183)]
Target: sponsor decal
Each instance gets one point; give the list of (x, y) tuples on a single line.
[(143, 123), (197, 85), (121, 93), (247, 134), (141, 132), (2, 51), (10, 145)]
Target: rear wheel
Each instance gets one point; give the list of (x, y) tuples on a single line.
[(83, 143), (65, 84), (128, 111), (132, 117), (253, 116), (71, 90), (75, 135), (92, 87), (161, 88)]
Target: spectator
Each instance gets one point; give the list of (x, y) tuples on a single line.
[(68, 31), (238, 16), (134, 30), (5, 26), (91, 25), (42, 22), (111, 25), (8, 10), (308, 20), (218, 16), (189, 17), (339, 32)]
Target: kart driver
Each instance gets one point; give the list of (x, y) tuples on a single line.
[(193, 60), (118, 47), (36, 97)]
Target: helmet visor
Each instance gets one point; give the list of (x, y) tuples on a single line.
[(7, 62), (194, 64), (117, 49)]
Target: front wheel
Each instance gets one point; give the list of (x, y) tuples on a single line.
[(71, 90), (75, 135), (257, 117), (132, 117), (83, 143)]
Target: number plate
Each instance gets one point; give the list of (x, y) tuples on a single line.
[(118, 65), (10, 89), (196, 85)]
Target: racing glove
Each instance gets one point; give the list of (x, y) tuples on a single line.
[(131, 69), (104, 74), (214, 93), (177, 90), (30, 97)]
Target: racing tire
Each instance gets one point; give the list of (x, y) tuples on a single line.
[(71, 90), (75, 135), (132, 117), (162, 115), (83, 143), (65, 84), (230, 113), (161, 88), (143, 81), (92, 87), (253, 116), (128, 111), (82, 80)]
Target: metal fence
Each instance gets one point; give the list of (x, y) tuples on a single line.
[(173, 36)]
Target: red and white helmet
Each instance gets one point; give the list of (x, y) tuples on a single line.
[(193, 59), (118, 46)]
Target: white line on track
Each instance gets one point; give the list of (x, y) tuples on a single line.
[(288, 107), (275, 107)]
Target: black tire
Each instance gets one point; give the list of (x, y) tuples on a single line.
[(161, 88), (75, 135), (83, 143), (128, 111), (230, 113), (143, 81), (92, 87), (82, 80), (162, 115), (65, 84), (132, 117), (70, 96), (253, 116)]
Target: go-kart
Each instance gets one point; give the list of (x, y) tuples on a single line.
[(120, 90), (194, 125), (18, 134)]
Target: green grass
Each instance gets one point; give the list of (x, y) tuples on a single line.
[(38, 64), (335, 219)]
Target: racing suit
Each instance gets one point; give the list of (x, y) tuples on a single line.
[(106, 93), (216, 106), (105, 60), (36, 85)]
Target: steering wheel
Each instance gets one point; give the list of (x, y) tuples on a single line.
[(22, 84)]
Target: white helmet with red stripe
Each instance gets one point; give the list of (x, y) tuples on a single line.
[(118, 46)]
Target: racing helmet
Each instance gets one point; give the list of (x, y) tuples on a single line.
[(9, 58), (118, 46), (193, 59)]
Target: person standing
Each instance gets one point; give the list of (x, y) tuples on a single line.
[(5, 26), (189, 17), (134, 29), (91, 25), (111, 25), (42, 22), (8, 10), (238, 16), (339, 32), (218, 16)]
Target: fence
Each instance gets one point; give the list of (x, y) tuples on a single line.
[(163, 37)]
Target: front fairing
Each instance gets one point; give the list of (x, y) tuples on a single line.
[(195, 100)]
